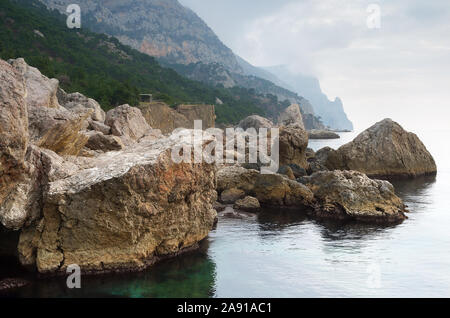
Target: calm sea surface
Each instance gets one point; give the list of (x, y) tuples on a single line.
[(281, 254)]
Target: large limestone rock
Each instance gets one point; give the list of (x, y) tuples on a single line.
[(384, 150), (42, 91), (79, 103), (269, 189), (127, 122), (122, 211), (352, 195), (255, 121), (293, 144), (13, 132), (291, 115)]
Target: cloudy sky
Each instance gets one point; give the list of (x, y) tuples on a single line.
[(400, 70)]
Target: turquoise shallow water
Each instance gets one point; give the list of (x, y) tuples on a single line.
[(285, 254)]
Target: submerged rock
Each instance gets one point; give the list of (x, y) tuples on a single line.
[(384, 150), (247, 204), (352, 195)]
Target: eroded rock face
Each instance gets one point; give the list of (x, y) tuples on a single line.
[(127, 123), (127, 211), (291, 115), (293, 144), (65, 138), (255, 121), (42, 91), (352, 195), (384, 150), (13, 128)]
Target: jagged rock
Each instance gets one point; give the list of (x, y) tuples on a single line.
[(13, 128), (127, 122), (291, 115), (256, 122), (293, 144), (287, 171), (98, 126), (352, 195), (98, 141), (318, 162), (230, 196), (384, 150), (270, 190), (23, 204), (123, 211), (247, 204), (41, 90), (78, 103), (65, 138), (310, 154), (322, 134)]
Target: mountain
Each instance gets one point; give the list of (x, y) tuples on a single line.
[(332, 113), (161, 28), (179, 39), (101, 67)]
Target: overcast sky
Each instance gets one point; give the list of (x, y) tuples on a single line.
[(401, 70)]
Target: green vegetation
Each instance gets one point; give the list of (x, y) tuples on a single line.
[(101, 67)]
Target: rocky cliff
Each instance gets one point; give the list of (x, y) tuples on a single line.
[(332, 113), (160, 28)]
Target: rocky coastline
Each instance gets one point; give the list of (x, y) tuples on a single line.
[(101, 190)]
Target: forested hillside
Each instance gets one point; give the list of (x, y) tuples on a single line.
[(101, 67)]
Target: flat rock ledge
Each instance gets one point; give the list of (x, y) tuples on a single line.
[(322, 134), (122, 211)]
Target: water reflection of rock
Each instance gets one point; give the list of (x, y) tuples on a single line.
[(187, 276), (351, 230), (413, 187), (272, 220)]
